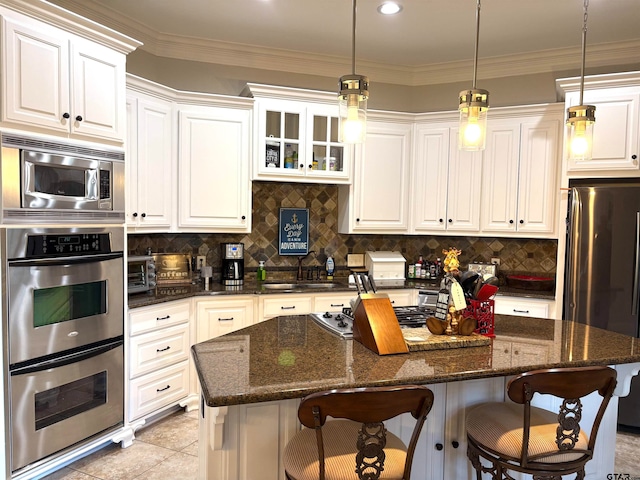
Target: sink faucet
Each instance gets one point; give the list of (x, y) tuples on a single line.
[(300, 259)]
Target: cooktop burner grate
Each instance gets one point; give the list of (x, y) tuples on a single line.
[(342, 323)]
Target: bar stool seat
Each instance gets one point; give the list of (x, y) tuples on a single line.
[(504, 436), (354, 443)]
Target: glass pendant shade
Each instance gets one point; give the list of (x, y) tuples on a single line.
[(354, 92), (473, 108), (580, 122)]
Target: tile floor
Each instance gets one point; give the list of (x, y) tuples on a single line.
[(165, 450), (168, 450)]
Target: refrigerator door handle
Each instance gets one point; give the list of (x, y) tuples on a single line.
[(636, 268)]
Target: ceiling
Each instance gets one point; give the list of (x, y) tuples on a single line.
[(429, 41)]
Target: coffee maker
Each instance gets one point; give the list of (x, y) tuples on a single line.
[(232, 263)]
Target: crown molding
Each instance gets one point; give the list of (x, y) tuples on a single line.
[(290, 61)]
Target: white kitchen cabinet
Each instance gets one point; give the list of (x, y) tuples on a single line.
[(378, 200), (151, 163), (524, 307), (214, 186), (616, 138), (157, 349), (402, 297), (218, 316), (270, 306), (333, 302), (60, 83), (520, 173), (446, 182), (296, 136)]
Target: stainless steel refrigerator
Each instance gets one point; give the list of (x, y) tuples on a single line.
[(602, 274)]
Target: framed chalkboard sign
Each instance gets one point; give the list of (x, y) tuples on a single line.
[(294, 231)]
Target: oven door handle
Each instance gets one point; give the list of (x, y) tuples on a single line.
[(61, 361), (77, 260)]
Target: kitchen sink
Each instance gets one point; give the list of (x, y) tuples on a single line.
[(300, 285)]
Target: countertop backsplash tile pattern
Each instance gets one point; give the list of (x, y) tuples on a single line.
[(521, 256)]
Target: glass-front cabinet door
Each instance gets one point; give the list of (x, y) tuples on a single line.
[(298, 141), (281, 146), (329, 158)]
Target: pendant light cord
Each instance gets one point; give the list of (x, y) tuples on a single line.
[(353, 39), (584, 45), (475, 60)]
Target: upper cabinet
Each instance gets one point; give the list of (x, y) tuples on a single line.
[(446, 182), (189, 157), (378, 200), (62, 83), (214, 185), (296, 136), (520, 173), (151, 162), (616, 138)]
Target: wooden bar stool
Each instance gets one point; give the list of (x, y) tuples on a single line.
[(356, 445), (520, 437)]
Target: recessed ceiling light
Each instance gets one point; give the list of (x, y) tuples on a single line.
[(389, 8)]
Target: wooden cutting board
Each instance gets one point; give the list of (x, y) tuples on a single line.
[(418, 339)]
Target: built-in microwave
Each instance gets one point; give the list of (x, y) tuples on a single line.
[(44, 181)]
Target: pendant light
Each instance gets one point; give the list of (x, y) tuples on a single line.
[(473, 107), (581, 118), (354, 92)]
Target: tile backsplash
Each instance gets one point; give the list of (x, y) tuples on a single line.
[(524, 256)]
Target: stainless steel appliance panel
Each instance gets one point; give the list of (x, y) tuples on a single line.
[(49, 181), (56, 404), (63, 302), (602, 275)]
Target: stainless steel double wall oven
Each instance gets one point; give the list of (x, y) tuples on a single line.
[(65, 308), (62, 248)]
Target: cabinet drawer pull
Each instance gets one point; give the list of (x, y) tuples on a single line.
[(337, 304), (166, 317), (225, 319), (163, 389), (288, 308), (520, 311), (163, 349)]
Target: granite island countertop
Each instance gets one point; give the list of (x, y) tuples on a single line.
[(291, 356), (168, 293)]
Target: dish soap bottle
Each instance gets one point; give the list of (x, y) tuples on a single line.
[(262, 273), (330, 267)]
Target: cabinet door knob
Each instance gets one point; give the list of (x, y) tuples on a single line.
[(243, 217), (633, 157), (455, 444), (143, 215), (521, 222), (357, 219), (441, 220), (310, 166), (301, 165), (135, 214), (450, 220), (439, 446), (511, 221), (66, 115), (79, 118)]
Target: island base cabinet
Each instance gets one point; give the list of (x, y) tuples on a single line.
[(441, 452), (245, 442)]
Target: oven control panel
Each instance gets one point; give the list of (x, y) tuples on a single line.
[(67, 244)]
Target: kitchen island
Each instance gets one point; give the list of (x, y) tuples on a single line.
[(252, 379)]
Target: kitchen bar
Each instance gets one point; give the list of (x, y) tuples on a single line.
[(252, 379)]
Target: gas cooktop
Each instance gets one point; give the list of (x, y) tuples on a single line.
[(341, 323)]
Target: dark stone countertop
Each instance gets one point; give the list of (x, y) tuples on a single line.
[(176, 292), (291, 356)]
